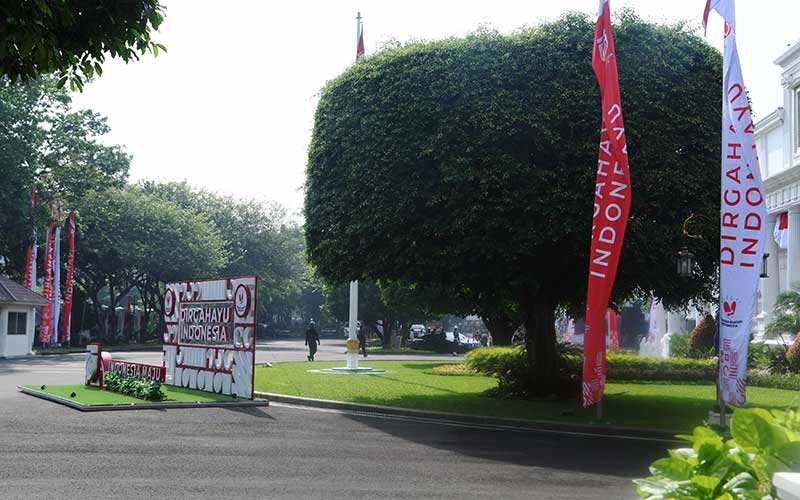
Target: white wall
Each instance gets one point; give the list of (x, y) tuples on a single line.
[(15, 345)]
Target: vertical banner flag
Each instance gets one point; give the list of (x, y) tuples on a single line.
[(65, 334), (46, 323), (612, 323), (612, 201), (360, 39), (782, 231), (743, 217), (56, 278), (30, 258)]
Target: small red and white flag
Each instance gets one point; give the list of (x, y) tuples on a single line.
[(782, 230), (360, 37)]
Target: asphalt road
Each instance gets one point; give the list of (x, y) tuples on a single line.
[(48, 451)]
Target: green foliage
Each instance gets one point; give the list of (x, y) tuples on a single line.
[(679, 345), (701, 340), (624, 366), (763, 443), (787, 315), (138, 387), (494, 360), (73, 37), (57, 150)]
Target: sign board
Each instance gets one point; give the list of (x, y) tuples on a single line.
[(131, 369), (210, 338)]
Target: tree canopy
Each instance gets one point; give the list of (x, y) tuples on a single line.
[(73, 37), (490, 143)]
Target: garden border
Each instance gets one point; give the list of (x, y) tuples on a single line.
[(244, 403), (500, 423)]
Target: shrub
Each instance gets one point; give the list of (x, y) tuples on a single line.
[(679, 345), (701, 340), (793, 355), (494, 360), (626, 366), (137, 387), (763, 443)]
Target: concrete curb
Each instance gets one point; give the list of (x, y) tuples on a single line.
[(129, 349), (499, 423), (245, 403)]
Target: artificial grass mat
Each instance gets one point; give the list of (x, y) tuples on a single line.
[(413, 384), (88, 395)]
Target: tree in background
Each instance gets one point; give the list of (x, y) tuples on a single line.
[(129, 238), (490, 144), (258, 238), (73, 37), (44, 144)]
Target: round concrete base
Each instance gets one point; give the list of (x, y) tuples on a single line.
[(361, 370)]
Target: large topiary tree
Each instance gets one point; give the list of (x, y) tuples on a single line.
[(471, 163)]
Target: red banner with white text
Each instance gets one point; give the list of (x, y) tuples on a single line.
[(65, 334), (612, 201), (46, 323), (30, 257)]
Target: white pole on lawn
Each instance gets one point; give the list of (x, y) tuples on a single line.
[(352, 342)]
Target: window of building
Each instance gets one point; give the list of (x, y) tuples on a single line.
[(797, 120), (17, 323)]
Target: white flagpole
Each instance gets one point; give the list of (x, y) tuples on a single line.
[(352, 333)]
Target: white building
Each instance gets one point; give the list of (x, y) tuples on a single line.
[(778, 143), (17, 307)]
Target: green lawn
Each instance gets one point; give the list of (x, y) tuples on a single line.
[(412, 384), (93, 396)]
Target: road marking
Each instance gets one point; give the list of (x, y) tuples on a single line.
[(453, 423)]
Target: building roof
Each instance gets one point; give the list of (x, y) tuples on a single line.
[(14, 293)]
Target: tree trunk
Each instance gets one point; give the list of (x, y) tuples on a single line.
[(540, 344), (502, 327)]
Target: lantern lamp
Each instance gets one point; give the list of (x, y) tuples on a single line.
[(685, 263), (764, 273)]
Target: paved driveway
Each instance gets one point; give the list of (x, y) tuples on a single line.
[(51, 451)]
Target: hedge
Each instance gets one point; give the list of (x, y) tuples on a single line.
[(495, 361)]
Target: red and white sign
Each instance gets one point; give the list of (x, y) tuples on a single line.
[(141, 370), (743, 217), (210, 339), (612, 201)]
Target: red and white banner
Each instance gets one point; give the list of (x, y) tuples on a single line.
[(46, 322), (65, 333), (56, 278), (360, 38), (782, 230), (30, 257), (612, 201), (612, 323), (743, 217)]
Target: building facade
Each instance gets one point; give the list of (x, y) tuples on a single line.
[(778, 143)]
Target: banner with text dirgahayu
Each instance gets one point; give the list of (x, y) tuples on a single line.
[(210, 338), (743, 218)]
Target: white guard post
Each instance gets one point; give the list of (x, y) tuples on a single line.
[(352, 334)]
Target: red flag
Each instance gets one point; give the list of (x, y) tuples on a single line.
[(46, 323), (65, 334), (612, 201), (360, 42), (30, 257)]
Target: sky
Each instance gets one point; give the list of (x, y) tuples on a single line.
[(230, 106)]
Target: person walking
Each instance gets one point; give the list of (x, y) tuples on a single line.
[(362, 340), (312, 339), (456, 340)]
